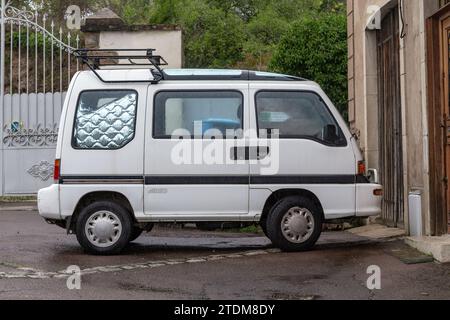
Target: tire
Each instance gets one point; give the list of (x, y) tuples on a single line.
[(136, 232), (294, 224), (263, 225), (104, 228)]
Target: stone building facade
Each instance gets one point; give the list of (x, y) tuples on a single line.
[(398, 53)]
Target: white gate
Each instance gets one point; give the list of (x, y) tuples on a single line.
[(36, 65)]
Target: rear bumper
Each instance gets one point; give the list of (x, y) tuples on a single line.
[(368, 204), (48, 202)]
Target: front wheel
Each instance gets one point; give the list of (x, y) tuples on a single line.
[(294, 224), (137, 231), (103, 228)]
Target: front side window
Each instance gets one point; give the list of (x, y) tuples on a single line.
[(105, 119), (198, 114), (297, 115)]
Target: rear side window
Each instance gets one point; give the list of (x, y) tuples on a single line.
[(105, 119), (198, 114), (297, 115)]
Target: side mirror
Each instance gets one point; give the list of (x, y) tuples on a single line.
[(373, 176), (330, 133)]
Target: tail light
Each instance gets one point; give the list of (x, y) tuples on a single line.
[(361, 168), (57, 170), (378, 192)]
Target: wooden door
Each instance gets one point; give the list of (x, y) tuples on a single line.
[(438, 27), (391, 154), (445, 111)]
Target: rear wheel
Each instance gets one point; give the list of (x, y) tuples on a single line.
[(294, 224), (103, 228), (263, 225)]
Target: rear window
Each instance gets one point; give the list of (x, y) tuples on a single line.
[(297, 115), (105, 119)]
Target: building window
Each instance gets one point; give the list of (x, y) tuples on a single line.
[(105, 119), (198, 114), (297, 115)]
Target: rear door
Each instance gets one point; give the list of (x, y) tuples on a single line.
[(191, 134)]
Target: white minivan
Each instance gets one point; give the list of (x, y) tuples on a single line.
[(139, 145)]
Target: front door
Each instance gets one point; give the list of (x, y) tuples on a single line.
[(191, 134)]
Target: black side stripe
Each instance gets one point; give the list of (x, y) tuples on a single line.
[(319, 179), (254, 180), (71, 177), (195, 180), (216, 180), (101, 179)]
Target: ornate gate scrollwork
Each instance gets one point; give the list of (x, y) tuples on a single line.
[(43, 170), (37, 137)]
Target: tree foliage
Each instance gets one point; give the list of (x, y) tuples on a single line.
[(216, 32), (300, 37), (212, 37), (316, 48)]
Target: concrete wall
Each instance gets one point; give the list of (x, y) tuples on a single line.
[(106, 30), (363, 86), (363, 90), (168, 43)]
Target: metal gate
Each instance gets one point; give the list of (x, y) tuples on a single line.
[(36, 65), (390, 119)]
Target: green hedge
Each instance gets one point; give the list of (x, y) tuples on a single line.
[(316, 48)]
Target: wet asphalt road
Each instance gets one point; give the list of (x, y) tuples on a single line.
[(173, 263)]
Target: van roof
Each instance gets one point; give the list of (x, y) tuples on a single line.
[(226, 74)]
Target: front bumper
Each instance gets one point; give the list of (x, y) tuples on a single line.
[(48, 202), (368, 204)]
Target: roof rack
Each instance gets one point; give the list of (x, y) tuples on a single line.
[(97, 58), (225, 74)]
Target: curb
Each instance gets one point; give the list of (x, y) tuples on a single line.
[(17, 208)]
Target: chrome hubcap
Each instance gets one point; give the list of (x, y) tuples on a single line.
[(297, 225), (103, 229)]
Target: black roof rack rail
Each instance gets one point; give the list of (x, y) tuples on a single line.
[(97, 58)]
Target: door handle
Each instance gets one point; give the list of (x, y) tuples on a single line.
[(249, 153)]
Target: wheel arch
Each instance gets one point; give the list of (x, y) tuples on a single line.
[(283, 193), (94, 196)]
